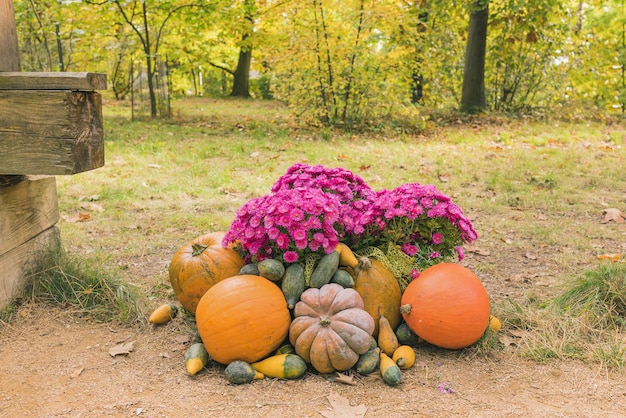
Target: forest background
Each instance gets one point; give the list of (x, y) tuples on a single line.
[(357, 63)]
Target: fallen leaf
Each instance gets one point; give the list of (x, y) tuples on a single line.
[(341, 408), (94, 207), (80, 217), (611, 257), (477, 251), (613, 214), (121, 349), (344, 378), (507, 341), (517, 333), (182, 339), (77, 373)]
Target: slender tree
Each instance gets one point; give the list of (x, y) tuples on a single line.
[(148, 19), (473, 92)]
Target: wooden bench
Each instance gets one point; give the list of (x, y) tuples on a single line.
[(50, 124)]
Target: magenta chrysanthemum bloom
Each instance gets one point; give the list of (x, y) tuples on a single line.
[(415, 273), (282, 222), (410, 249), (419, 219), (290, 257)]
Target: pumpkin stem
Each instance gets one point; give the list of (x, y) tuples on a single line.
[(324, 322), (364, 263), (405, 309), (197, 249)]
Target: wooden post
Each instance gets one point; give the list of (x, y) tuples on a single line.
[(9, 52), (50, 123)]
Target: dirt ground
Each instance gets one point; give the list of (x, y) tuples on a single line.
[(53, 364)]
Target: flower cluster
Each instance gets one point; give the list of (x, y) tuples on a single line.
[(286, 225), (312, 208), (420, 220), (353, 193)]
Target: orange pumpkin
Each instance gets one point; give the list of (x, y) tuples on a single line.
[(447, 305), (200, 264), (380, 291), (330, 329), (242, 318)]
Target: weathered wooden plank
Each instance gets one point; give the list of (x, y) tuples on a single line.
[(26, 209), (15, 264), (50, 132), (9, 51), (52, 81)]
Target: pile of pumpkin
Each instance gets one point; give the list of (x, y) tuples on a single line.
[(266, 319)]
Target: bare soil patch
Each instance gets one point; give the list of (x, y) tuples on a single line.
[(53, 364)]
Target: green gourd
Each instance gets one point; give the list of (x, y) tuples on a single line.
[(326, 267), (293, 284), (239, 371), (271, 269), (343, 278)]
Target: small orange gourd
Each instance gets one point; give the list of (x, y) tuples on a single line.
[(199, 264), (447, 305), (242, 318), (380, 291)]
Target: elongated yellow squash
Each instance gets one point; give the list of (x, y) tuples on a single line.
[(281, 366), (391, 373), (196, 358), (387, 338), (346, 256), (163, 314)]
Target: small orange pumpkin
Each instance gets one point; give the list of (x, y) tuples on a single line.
[(447, 305), (330, 329), (380, 291), (242, 318), (199, 264)]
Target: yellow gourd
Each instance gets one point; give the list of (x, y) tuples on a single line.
[(196, 358), (163, 314), (391, 373), (404, 357), (494, 324), (346, 256), (281, 366), (387, 338)]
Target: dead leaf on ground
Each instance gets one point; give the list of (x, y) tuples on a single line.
[(344, 378), (341, 408), (610, 257), (477, 250), (80, 217), (77, 373), (613, 214), (121, 349), (182, 339), (94, 207)]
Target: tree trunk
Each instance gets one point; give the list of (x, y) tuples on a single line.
[(241, 76), (473, 94)]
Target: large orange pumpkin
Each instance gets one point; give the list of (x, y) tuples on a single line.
[(242, 318), (380, 291), (447, 305), (199, 264), (330, 329)]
